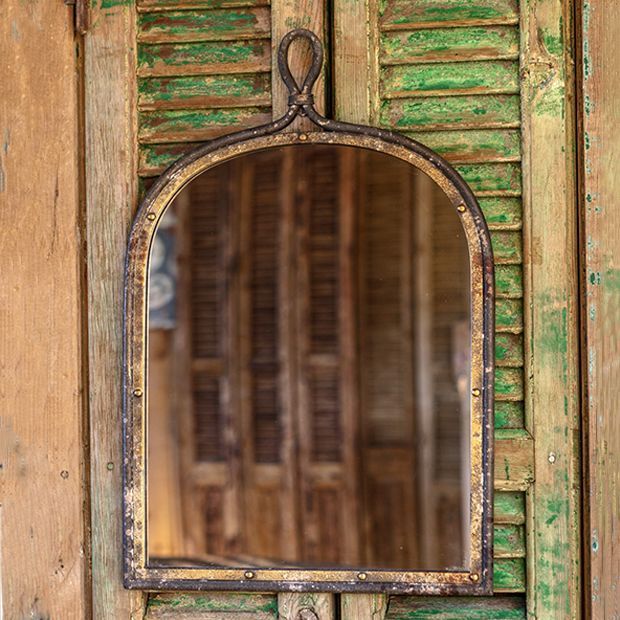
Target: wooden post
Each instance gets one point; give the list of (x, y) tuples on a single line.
[(310, 606), (601, 248), (551, 342), (42, 518), (110, 91)]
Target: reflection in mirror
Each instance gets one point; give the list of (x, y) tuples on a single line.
[(308, 367)]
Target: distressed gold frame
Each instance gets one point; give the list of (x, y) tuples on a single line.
[(474, 579)]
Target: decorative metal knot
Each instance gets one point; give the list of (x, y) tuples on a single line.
[(300, 97)]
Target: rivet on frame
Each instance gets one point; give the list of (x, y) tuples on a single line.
[(362, 576), (249, 574), (150, 216), (303, 137), (137, 392), (475, 392), (461, 208), (474, 577)]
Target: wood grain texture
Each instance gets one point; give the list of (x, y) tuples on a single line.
[(551, 352), (403, 14), (601, 240), (355, 62), (457, 608), (308, 606), (211, 606), (110, 203), (366, 606), (43, 566)]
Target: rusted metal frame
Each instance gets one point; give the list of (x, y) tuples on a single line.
[(477, 578)]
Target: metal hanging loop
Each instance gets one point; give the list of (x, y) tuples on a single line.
[(300, 97)]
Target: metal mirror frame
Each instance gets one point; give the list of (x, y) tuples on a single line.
[(474, 579)]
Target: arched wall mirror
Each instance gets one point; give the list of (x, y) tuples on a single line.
[(309, 366)]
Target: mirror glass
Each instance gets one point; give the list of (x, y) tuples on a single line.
[(308, 367)]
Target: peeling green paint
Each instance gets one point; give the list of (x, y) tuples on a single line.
[(177, 89), (210, 24), (490, 76), (184, 56), (509, 414), (401, 12), (503, 177), (508, 314), (509, 383), (455, 112), (498, 42)]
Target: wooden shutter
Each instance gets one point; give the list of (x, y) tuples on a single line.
[(326, 414), (386, 360)]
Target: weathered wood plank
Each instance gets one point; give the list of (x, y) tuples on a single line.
[(205, 58), (509, 281), (509, 507), (456, 608), (217, 25), (355, 60), (492, 179), (502, 213), (462, 113), (508, 315), (507, 247), (110, 202), (514, 460), (175, 5), (197, 125), (509, 575), (552, 341), (601, 123), (508, 541), (473, 146), (367, 606), (508, 383), (508, 349), (42, 564), (215, 606), (204, 91), (404, 14), (310, 606), (450, 44), (509, 414), (450, 79)]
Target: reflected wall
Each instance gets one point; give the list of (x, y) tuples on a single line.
[(308, 367)]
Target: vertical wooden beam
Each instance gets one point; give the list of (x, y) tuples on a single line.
[(551, 315), (285, 16), (309, 606), (42, 562), (289, 492), (600, 152), (110, 203), (348, 359), (363, 606), (422, 354), (356, 60)]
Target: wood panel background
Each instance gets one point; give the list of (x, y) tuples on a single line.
[(486, 83), (600, 239), (44, 551)]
